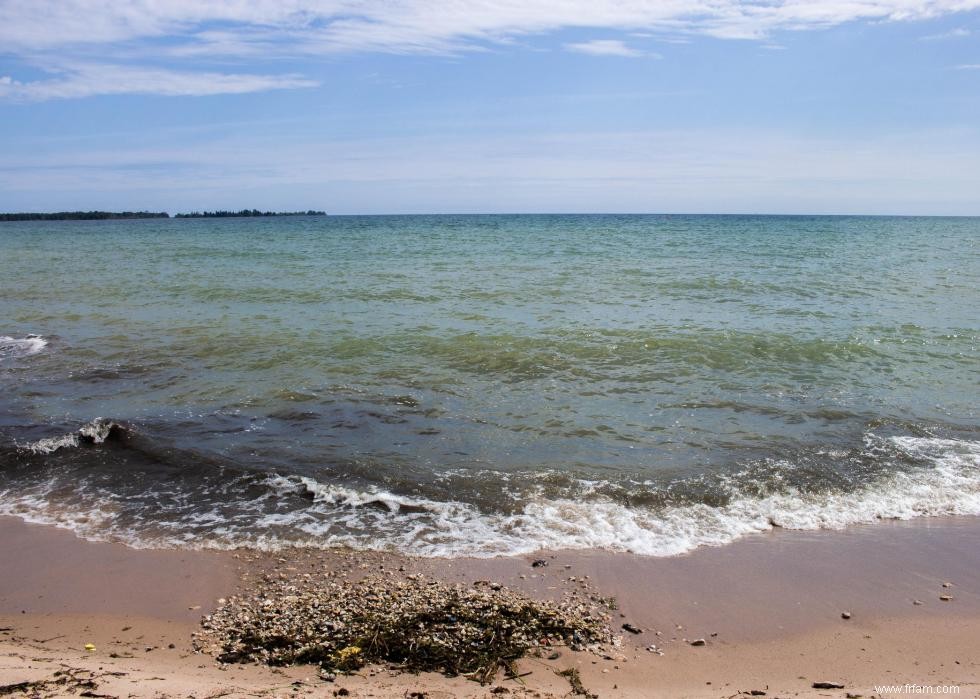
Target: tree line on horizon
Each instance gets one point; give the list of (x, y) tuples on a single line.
[(108, 215), (247, 213), (81, 215)]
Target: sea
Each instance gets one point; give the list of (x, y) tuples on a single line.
[(484, 385)]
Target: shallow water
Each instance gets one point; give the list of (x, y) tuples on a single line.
[(478, 385)]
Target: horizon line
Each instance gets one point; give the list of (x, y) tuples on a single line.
[(300, 213)]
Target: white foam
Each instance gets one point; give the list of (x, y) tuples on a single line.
[(51, 444), (96, 432), (22, 346), (93, 522), (348, 497)]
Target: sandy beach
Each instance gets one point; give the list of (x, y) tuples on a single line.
[(770, 609)]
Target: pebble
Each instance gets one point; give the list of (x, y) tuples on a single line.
[(845, 615), (699, 642), (945, 598)]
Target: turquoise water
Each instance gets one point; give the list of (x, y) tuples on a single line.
[(488, 384)]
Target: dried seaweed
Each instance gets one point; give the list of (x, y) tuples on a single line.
[(414, 624)]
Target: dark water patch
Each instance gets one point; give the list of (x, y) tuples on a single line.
[(295, 415)]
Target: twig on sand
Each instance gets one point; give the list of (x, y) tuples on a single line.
[(575, 680)]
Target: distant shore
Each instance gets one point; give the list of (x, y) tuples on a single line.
[(770, 609), (123, 215)]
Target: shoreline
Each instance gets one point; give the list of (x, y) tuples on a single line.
[(769, 607)]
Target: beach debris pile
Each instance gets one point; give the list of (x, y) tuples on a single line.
[(412, 623)]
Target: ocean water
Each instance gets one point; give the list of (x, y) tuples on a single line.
[(486, 385)]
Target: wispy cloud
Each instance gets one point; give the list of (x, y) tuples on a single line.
[(95, 79), (59, 32), (606, 47), (958, 33), (968, 66)]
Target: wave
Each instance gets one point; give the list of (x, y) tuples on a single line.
[(947, 484), (21, 347), (95, 432), (272, 511)]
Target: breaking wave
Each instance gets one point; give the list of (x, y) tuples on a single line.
[(21, 347), (95, 432), (271, 511)]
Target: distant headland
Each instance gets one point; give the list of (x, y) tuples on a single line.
[(107, 215), (81, 215)]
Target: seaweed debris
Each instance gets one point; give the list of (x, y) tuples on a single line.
[(575, 680), (64, 682), (414, 624)]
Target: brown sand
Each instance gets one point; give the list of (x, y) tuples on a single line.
[(769, 608)]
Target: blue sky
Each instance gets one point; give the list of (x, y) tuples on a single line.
[(389, 106)]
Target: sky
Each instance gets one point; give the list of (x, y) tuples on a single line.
[(452, 106)]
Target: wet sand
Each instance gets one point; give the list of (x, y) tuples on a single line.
[(768, 607)]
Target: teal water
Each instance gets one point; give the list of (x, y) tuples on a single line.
[(488, 384)]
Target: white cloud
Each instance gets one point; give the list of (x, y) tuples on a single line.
[(87, 80), (968, 66), (605, 47), (421, 25), (59, 32)]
